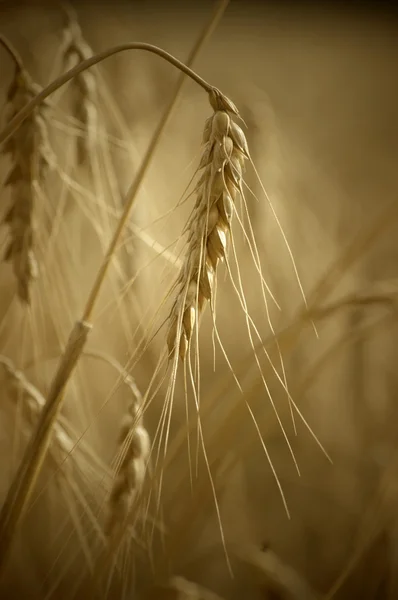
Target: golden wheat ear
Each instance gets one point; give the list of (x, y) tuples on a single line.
[(208, 228), (30, 154)]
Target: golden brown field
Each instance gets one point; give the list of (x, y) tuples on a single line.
[(223, 425)]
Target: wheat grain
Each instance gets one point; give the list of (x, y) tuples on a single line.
[(223, 162), (31, 156), (134, 446)]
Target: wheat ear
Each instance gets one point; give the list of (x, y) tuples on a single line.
[(134, 445), (75, 49), (30, 156), (222, 162)]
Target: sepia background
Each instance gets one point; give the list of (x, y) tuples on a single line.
[(317, 88)]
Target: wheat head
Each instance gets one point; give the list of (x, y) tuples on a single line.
[(30, 155), (222, 162), (134, 448), (75, 49)]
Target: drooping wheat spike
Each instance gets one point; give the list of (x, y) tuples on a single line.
[(74, 50), (30, 153), (134, 448), (222, 162)]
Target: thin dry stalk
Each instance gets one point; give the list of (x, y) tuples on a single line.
[(134, 446), (75, 49), (30, 154), (209, 225)]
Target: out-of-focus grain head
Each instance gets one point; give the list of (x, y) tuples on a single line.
[(30, 153), (74, 49), (134, 447)]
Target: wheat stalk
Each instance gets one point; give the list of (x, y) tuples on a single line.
[(223, 162), (30, 155)]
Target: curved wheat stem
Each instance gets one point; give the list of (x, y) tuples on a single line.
[(9, 129)]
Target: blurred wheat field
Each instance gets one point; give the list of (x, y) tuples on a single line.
[(279, 490)]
